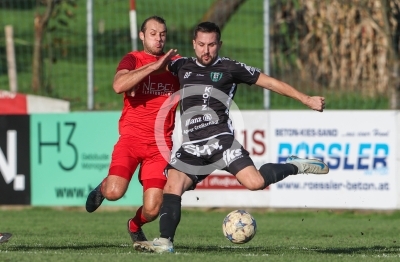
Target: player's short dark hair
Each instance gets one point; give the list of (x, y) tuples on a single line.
[(207, 27), (154, 17)]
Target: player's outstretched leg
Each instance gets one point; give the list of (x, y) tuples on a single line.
[(4, 237), (94, 199), (138, 235), (308, 166), (158, 245)]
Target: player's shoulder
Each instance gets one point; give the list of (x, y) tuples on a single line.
[(225, 59), (229, 61), (185, 58), (234, 63), (181, 60), (133, 55), (236, 67), (176, 57)]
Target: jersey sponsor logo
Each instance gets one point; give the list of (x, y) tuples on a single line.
[(216, 76), (173, 161), (206, 97), (157, 88), (193, 121), (187, 75), (198, 127), (231, 155), (198, 96), (202, 150), (207, 117)]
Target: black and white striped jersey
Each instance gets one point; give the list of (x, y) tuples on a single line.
[(207, 93)]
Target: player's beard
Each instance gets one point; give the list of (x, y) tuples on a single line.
[(154, 50), (206, 63), (157, 51)]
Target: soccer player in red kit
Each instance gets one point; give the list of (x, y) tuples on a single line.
[(144, 93)]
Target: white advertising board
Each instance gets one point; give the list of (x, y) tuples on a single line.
[(358, 146)]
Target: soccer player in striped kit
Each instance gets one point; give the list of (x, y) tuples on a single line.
[(208, 86)]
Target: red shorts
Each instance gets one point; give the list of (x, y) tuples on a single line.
[(128, 153), (153, 183)]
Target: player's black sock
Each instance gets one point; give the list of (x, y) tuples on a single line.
[(273, 173), (170, 215)]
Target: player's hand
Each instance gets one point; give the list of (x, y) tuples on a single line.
[(170, 54), (316, 103), (161, 64), (132, 91)]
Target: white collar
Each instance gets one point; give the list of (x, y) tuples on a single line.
[(216, 61)]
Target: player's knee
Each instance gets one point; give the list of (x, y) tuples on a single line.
[(112, 194), (176, 182), (151, 213), (250, 178), (254, 185), (114, 188), (171, 188)]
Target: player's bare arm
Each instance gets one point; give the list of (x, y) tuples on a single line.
[(161, 65), (126, 80), (316, 103)]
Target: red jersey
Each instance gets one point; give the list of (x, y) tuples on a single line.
[(139, 112)]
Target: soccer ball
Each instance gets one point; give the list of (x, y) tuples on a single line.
[(239, 227)]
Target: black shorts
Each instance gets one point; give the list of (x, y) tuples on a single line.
[(198, 160)]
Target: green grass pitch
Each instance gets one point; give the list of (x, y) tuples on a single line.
[(71, 234)]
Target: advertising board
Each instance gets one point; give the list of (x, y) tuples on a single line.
[(15, 173), (70, 156), (359, 148)]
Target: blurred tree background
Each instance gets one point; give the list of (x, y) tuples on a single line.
[(348, 48), (347, 51)]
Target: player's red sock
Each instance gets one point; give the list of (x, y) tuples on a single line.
[(138, 221)]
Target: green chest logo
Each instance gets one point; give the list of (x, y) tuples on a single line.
[(215, 76)]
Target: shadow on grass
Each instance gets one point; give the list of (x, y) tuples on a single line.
[(360, 250), (230, 249), (279, 250), (239, 249), (20, 248)]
